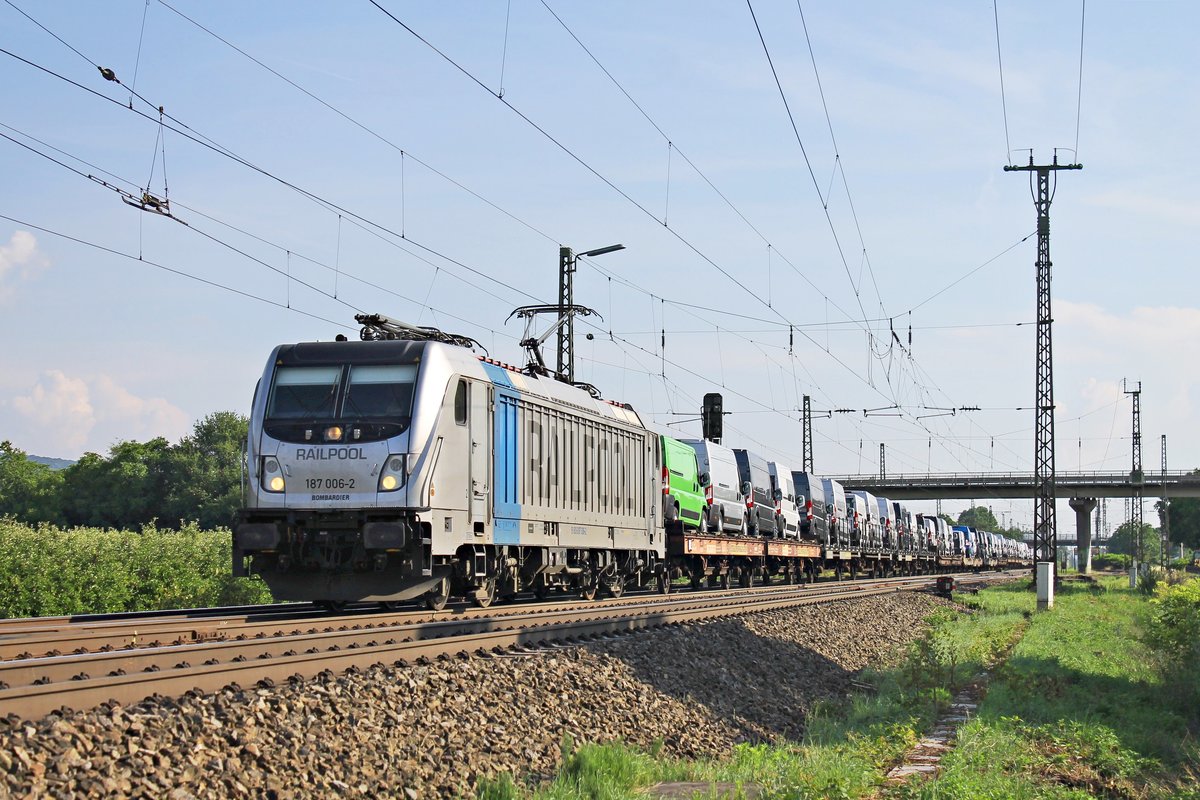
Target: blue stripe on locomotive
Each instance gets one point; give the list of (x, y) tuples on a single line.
[(507, 510)]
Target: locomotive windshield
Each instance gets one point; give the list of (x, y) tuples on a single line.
[(304, 393), (376, 399), (379, 391)]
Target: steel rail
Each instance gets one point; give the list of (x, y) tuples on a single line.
[(64, 621), (34, 699), (79, 666), (134, 633)]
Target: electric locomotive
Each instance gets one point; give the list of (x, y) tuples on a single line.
[(405, 466)]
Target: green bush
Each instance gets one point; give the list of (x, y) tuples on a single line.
[(1175, 624), (1110, 561), (48, 571)]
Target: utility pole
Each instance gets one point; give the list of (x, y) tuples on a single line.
[(882, 461), (1045, 531), (1104, 518), (1165, 556), (566, 301), (808, 450), (567, 308), (1136, 476)]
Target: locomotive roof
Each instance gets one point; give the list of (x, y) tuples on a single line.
[(388, 352)]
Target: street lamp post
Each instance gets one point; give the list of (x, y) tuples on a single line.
[(566, 305)]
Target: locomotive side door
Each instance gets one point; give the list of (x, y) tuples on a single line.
[(480, 457)]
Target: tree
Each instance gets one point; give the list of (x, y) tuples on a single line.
[(125, 490), (979, 517), (28, 491), (1124, 540), (206, 471), (1185, 520)]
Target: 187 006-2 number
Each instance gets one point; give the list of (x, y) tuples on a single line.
[(329, 483)]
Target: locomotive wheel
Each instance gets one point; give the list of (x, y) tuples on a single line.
[(485, 595), (435, 599), (616, 587), (540, 589), (587, 589)]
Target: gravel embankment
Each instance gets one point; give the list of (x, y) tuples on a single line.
[(426, 731)]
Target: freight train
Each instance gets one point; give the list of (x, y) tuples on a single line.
[(404, 466)]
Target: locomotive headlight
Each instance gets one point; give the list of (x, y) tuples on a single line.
[(392, 476), (272, 474), (334, 433)]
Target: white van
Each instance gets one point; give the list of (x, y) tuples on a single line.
[(865, 513), (786, 507), (724, 493), (838, 530)]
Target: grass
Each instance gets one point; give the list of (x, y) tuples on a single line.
[(1081, 708), (1078, 706)]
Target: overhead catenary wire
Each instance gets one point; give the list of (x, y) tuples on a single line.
[(405, 153), (321, 200), (470, 76), (329, 205), (1079, 93), (172, 270), (439, 253), (1003, 100), (286, 251)]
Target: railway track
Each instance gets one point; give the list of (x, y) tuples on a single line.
[(246, 650)]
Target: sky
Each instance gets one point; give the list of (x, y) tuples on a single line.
[(859, 243)]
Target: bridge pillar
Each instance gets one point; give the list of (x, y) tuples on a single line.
[(1084, 506)]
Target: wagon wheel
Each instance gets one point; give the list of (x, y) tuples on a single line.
[(664, 582), (390, 605), (332, 606), (697, 581), (745, 577), (435, 598), (485, 595), (541, 589)]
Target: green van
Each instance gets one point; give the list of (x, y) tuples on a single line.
[(682, 487)]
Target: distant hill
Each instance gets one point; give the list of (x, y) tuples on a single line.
[(52, 463)]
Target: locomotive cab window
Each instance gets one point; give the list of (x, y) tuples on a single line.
[(304, 392), (460, 403), (380, 392)]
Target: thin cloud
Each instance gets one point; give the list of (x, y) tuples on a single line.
[(65, 415), (20, 259)]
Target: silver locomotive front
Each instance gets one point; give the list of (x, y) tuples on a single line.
[(333, 467)]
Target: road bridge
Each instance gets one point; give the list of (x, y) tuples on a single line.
[(1081, 488), (1015, 485)]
